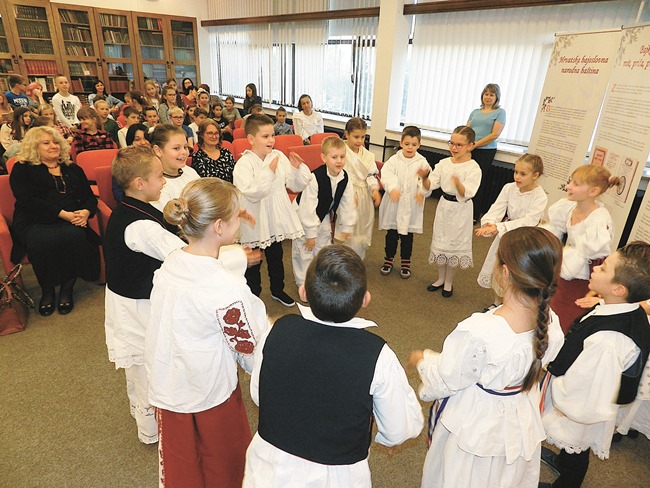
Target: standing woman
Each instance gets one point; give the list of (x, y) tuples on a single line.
[(251, 98), (53, 204), (488, 122), (307, 122)]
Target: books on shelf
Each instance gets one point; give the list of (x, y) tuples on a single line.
[(37, 47), (82, 69), (30, 13), (120, 85), (35, 67), (109, 20), (77, 34), (39, 30), (149, 23), (79, 50), (183, 40), (115, 37), (151, 38), (74, 16), (46, 82), (183, 55)]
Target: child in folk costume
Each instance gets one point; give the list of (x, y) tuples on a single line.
[(328, 199), (402, 208), (487, 428), (589, 232), (599, 366), (362, 169), (263, 174), (519, 204), (320, 379), (204, 322), (459, 178)]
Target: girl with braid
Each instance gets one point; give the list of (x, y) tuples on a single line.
[(485, 427)]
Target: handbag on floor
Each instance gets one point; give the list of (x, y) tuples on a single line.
[(14, 302)]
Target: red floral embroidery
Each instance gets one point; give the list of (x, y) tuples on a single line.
[(235, 327)]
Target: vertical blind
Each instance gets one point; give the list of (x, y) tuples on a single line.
[(454, 55)]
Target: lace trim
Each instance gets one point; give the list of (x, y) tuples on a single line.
[(279, 238), (485, 281), (125, 362), (600, 452), (454, 261)]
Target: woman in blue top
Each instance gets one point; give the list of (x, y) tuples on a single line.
[(99, 90), (488, 122)]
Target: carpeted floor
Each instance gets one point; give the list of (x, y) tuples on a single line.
[(66, 422)]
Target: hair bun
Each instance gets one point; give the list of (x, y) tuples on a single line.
[(176, 211)]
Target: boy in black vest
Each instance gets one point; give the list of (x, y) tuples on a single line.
[(599, 367), (320, 381), (327, 201), (137, 241)]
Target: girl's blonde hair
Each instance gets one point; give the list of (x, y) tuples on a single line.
[(174, 111), (147, 98), (163, 132), (47, 106), (535, 162), (595, 176), (29, 145), (202, 202)]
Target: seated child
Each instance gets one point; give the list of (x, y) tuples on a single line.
[(137, 241), (199, 116), (224, 125), (90, 136), (151, 118), (281, 127), (176, 118), (132, 117), (319, 379), (599, 367), (108, 124), (328, 199)]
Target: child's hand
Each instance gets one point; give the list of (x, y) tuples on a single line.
[(394, 195), (344, 236), (248, 217), (376, 197), (295, 160), (253, 256), (486, 231), (424, 173), (414, 358), (455, 181), (273, 165), (310, 243), (587, 302), (419, 198)]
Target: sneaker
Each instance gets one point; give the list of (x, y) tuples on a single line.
[(387, 266), (550, 459), (283, 298), (405, 271)]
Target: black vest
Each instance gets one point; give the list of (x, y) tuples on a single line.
[(327, 201), (314, 390), (130, 273), (631, 324)]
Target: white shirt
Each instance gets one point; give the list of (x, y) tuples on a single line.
[(66, 108), (523, 209), (307, 125), (174, 186)]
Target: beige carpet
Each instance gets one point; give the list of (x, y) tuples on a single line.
[(66, 422)]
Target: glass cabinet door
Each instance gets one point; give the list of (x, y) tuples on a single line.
[(118, 51), (184, 50)]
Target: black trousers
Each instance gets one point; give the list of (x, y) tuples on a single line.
[(573, 468), (406, 248), (273, 255), (482, 200)]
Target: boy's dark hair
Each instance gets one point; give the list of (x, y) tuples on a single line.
[(130, 133), (200, 111), (130, 163), (633, 270), (255, 107), (130, 110), (411, 131), (281, 109), (148, 109), (255, 121), (336, 284), (16, 80)]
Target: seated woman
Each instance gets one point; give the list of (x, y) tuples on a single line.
[(99, 93), (53, 204), (307, 122), (211, 159)]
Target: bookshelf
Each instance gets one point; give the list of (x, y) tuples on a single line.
[(6, 61), (184, 54), (118, 50)]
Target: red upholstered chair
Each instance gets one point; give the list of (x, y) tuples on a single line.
[(101, 221), (239, 123), (10, 164), (379, 165), (318, 138), (239, 146), (89, 160), (283, 143), (310, 155), (239, 133), (104, 179), (227, 145)]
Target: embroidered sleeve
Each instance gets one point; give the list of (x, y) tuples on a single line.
[(236, 329)]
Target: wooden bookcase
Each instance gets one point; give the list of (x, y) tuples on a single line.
[(39, 39)]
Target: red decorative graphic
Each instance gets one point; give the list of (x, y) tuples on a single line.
[(236, 329)]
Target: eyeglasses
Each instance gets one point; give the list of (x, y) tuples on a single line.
[(454, 145), (177, 117), (211, 134)]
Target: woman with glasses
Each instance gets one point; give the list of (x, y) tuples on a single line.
[(211, 159), (487, 122)]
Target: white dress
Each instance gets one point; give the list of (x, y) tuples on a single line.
[(451, 244), (397, 413), (307, 125), (483, 439), (174, 186), (362, 170), (204, 321), (264, 195), (586, 240), (523, 210), (579, 408), (401, 173), (636, 415)]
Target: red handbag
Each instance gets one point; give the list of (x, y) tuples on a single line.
[(14, 302)]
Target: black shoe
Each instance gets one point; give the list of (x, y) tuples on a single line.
[(387, 267), (446, 293), (550, 459), (66, 307), (433, 287), (633, 434), (617, 437), (283, 298), (46, 305), (66, 302)]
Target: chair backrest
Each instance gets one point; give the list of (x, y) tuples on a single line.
[(239, 146), (227, 145), (310, 155), (7, 199), (239, 133), (318, 138), (239, 123), (104, 179), (89, 160), (11, 162), (283, 143)]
